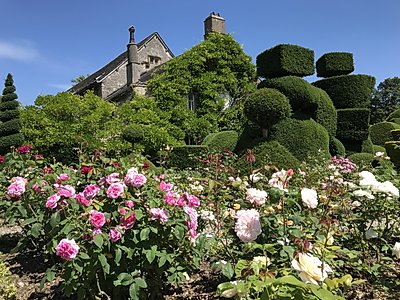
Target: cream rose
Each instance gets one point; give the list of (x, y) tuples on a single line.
[(310, 268)]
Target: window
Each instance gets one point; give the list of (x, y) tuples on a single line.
[(191, 100), (154, 60)]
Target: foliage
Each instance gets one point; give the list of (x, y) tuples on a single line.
[(266, 107), (336, 147), (183, 157), (9, 116), (395, 115), (367, 146), (380, 132), (348, 91), (334, 64), (7, 287), (65, 122), (362, 159), (385, 99), (220, 141), (284, 60), (213, 72), (393, 151), (353, 124), (273, 153)]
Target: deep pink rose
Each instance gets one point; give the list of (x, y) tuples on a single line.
[(86, 169), (170, 198), (80, 197), (52, 201), (91, 191), (114, 235), (133, 178), (24, 149), (192, 200), (67, 191), (130, 203), (1, 159), (127, 222), (67, 249), (97, 219), (166, 186), (115, 190), (158, 213), (63, 177)]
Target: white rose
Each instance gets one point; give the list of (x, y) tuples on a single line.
[(310, 268), (256, 196), (388, 188), (309, 197), (256, 177), (396, 250), (362, 193), (368, 180)]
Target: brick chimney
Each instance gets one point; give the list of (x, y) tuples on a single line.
[(214, 23), (132, 68)]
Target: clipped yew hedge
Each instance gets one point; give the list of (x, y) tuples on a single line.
[(220, 141), (380, 133), (10, 127), (284, 60), (10, 140), (348, 91), (336, 147), (335, 64), (353, 124), (272, 152)]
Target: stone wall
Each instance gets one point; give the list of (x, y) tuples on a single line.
[(114, 81)]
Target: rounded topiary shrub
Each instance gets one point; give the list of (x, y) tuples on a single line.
[(10, 127), (348, 91), (306, 100), (303, 139), (394, 115), (188, 156), (395, 134), (380, 132), (393, 151), (335, 64), (266, 107), (367, 146), (336, 147), (376, 148), (362, 159), (133, 134), (220, 141)]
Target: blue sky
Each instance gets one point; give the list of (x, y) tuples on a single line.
[(46, 43)]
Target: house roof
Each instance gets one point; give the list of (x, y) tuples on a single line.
[(100, 74)]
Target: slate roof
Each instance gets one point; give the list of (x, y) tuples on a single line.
[(100, 74)]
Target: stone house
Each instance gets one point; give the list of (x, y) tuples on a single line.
[(129, 71)]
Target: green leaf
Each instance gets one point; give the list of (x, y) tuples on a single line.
[(134, 291), (83, 255), (227, 270), (240, 265), (141, 282), (124, 279), (144, 234), (179, 232), (104, 264), (55, 219), (118, 255), (162, 260), (36, 229), (151, 254), (323, 294), (28, 221), (98, 240), (289, 279)]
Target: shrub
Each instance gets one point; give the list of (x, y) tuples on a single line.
[(306, 100), (362, 159), (249, 135), (271, 152), (334, 64), (266, 107), (10, 127), (336, 147), (7, 287), (10, 105), (393, 151), (394, 115), (133, 133), (376, 148), (302, 138), (10, 140), (367, 146), (8, 115), (380, 132), (395, 134), (182, 157), (283, 60), (396, 120), (348, 91), (353, 124), (220, 141)]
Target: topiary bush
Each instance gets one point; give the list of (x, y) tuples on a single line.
[(362, 159), (306, 100), (393, 151), (285, 59), (7, 288), (303, 139), (266, 107), (380, 132), (395, 134), (335, 64), (133, 134), (376, 148), (10, 127), (348, 91), (249, 135), (272, 152), (353, 124), (336, 147), (367, 146), (220, 141), (393, 116), (182, 157)]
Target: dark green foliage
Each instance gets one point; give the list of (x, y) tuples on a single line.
[(353, 124), (271, 152), (306, 100), (377, 148), (348, 91), (367, 146), (10, 127), (352, 146), (182, 157), (395, 134), (336, 147), (393, 115), (396, 120), (303, 139), (335, 64), (220, 141), (380, 132), (266, 107), (393, 151), (9, 105), (8, 115), (385, 99), (362, 159), (249, 135), (133, 133), (283, 60), (7, 141)]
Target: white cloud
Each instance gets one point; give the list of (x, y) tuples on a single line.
[(60, 86), (20, 50)]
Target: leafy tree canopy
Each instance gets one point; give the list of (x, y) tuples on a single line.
[(215, 71), (385, 99)]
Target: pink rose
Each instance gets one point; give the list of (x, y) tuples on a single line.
[(110, 179), (122, 211), (52, 201), (66, 191), (166, 186), (67, 249), (135, 180), (130, 203), (192, 200), (248, 225), (80, 197), (115, 190), (158, 213), (170, 198), (114, 235), (127, 222), (63, 177), (96, 231), (97, 219), (15, 190), (91, 191)]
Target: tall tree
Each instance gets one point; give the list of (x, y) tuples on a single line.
[(9, 116), (385, 99)]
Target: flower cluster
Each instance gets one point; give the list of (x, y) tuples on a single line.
[(17, 187), (247, 226), (255, 196)]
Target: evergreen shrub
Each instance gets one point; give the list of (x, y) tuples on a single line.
[(336, 147), (272, 152), (10, 127), (394, 115), (220, 141), (393, 151), (133, 133), (285, 59), (362, 159), (8, 115), (348, 91), (353, 124), (380, 132), (10, 140), (335, 64), (303, 139), (377, 148), (9, 105), (395, 134), (249, 135), (182, 157), (367, 146)]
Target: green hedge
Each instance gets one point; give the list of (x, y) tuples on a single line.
[(362, 159), (395, 134), (380, 132), (182, 157), (10, 140), (306, 100), (335, 64), (10, 105), (249, 135), (396, 120), (377, 148), (394, 115), (9, 115), (393, 151), (271, 152), (367, 146), (303, 139), (348, 91), (220, 141), (10, 127), (353, 124), (336, 147), (283, 60), (266, 107)]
